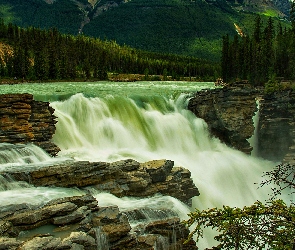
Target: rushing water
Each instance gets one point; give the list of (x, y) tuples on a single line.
[(145, 121)]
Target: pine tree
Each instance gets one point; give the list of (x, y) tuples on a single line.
[(225, 59)]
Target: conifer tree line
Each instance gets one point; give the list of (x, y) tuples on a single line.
[(266, 54), (49, 55)]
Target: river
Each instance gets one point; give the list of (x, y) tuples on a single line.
[(110, 121)]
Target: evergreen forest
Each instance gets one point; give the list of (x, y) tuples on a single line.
[(268, 54), (183, 27), (37, 54)]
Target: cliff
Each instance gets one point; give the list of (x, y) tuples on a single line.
[(229, 114), (24, 120), (276, 136)]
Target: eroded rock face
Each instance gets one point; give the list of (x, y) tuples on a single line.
[(276, 137), (24, 120), (95, 228), (122, 178), (228, 113)]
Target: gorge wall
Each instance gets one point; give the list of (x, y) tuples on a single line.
[(229, 112)]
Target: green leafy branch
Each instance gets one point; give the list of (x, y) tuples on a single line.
[(257, 226)]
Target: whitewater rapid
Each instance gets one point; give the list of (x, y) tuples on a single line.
[(143, 127), (154, 127)]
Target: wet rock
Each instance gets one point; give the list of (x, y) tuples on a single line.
[(73, 217), (76, 223), (122, 178), (114, 224), (9, 243), (81, 239), (44, 243), (158, 170)]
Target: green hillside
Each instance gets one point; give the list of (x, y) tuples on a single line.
[(185, 27)]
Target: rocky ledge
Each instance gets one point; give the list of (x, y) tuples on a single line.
[(79, 223), (25, 120), (122, 178)]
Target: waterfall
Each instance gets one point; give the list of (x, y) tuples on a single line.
[(21, 154), (27, 156), (154, 127), (144, 210), (254, 139), (101, 239), (144, 128)]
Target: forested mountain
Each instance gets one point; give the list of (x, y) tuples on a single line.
[(30, 54), (187, 27)]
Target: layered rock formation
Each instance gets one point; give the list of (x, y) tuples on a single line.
[(24, 120), (123, 178), (79, 223)]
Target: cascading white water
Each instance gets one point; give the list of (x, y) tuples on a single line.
[(254, 139), (101, 239), (149, 208), (21, 154), (144, 128), (153, 127), (25, 157), (149, 128)]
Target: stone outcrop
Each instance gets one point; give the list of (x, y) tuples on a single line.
[(79, 223), (123, 178), (25, 120), (228, 113)]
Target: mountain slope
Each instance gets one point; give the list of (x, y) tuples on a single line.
[(171, 26)]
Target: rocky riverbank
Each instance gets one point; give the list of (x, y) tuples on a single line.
[(79, 223)]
